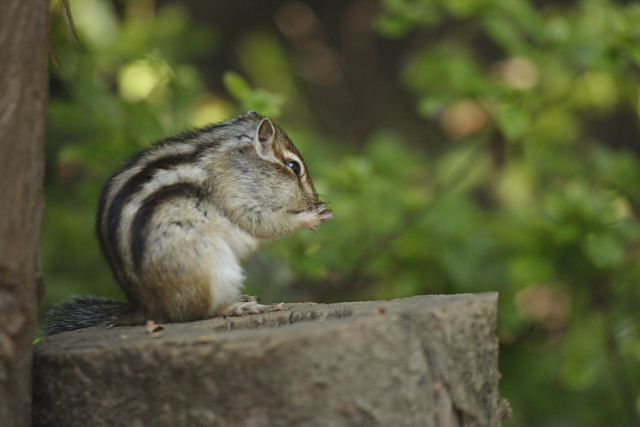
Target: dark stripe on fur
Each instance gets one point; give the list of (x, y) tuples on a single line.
[(140, 223), (128, 190), (111, 215)]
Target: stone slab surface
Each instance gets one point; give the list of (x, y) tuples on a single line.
[(420, 361)]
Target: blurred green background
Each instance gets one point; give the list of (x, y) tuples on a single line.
[(464, 145)]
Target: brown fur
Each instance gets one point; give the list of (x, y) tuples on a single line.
[(175, 220)]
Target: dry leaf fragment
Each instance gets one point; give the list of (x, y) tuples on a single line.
[(153, 327), (206, 338)]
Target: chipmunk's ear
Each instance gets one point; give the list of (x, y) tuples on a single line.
[(265, 138)]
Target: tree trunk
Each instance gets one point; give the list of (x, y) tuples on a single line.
[(23, 95)]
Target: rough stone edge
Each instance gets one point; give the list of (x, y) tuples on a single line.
[(237, 331)]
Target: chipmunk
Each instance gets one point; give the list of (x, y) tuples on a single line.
[(176, 219)]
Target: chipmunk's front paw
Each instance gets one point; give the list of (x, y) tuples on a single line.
[(316, 215), (323, 214)]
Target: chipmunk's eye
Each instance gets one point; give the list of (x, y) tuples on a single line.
[(295, 166)]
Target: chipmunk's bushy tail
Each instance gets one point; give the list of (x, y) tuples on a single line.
[(83, 311)]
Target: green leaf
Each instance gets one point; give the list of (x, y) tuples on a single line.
[(604, 249), (513, 121), (236, 85), (259, 100)]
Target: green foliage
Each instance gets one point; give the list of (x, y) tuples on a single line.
[(127, 84), (524, 195), (559, 236), (262, 101)]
